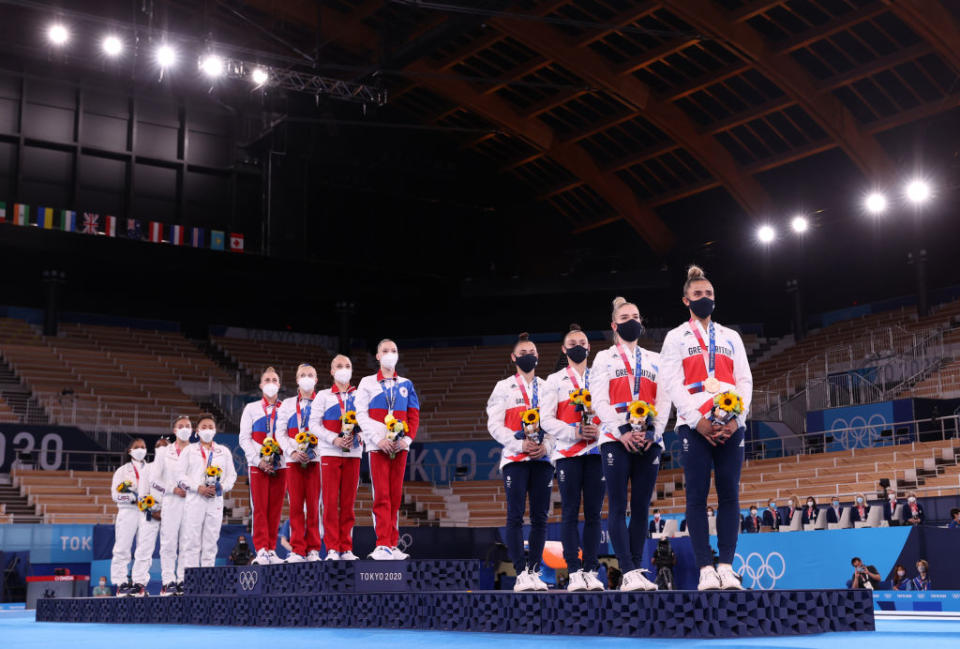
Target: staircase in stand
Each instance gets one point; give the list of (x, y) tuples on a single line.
[(18, 506), (19, 397)]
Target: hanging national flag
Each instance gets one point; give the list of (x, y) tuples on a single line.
[(236, 242), (110, 226), (134, 230), (21, 214), (216, 240), (91, 223), (176, 235), (3, 212), (45, 218), (156, 232), (196, 237), (68, 220)]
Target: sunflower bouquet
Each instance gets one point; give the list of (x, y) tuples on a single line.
[(348, 422), (271, 452), (640, 416), (148, 504), (582, 402), (126, 487), (396, 430), (726, 406), (531, 424), (307, 444)]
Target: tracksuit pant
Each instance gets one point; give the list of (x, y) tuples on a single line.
[(266, 498), (726, 460), (303, 486), (387, 478), (202, 520), (580, 478), (640, 470), (339, 479), (171, 537), (125, 526), (520, 480), (146, 542)]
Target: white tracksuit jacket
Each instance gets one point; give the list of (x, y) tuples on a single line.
[(128, 519), (203, 516), (504, 409), (325, 423), (173, 506), (287, 424), (560, 418)]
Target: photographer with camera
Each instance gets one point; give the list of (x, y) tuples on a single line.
[(864, 576), (664, 559)]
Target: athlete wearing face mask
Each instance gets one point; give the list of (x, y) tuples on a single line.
[(379, 396), (629, 453), (130, 482), (203, 516), (149, 527), (577, 458), (340, 450), (303, 469), (700, 360), (268, 483), (172, 499)]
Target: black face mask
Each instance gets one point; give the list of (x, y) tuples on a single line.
[(629, 330), (577, 354), (702, 307), (527, 362)]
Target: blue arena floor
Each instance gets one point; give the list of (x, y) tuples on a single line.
[(19, 630)]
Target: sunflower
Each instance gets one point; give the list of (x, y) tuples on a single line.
[(586, 399), (124, 487), (147, 502), (640, 410), (214, 471), (301, 438), (350, 417), (728, 401), (314, 440), (530, 417)]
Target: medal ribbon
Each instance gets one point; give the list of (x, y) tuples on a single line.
[(523, 391), (634, 376), (709, 353)]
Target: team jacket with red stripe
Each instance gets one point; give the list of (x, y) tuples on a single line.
[(504, 408), (194, 464), (612, 390), (253, 428), (288, 426), (683, 364), (139, 474), (560, 419), (325, 422), (371, 405)]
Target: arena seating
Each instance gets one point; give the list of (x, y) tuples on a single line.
[(7, 415)]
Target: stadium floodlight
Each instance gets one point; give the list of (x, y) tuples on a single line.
[(800, 224), (166, 56), (875, 203), (766, 234), (112, 45), (212, 65), (917, 191), (259, 76), (58, 34)]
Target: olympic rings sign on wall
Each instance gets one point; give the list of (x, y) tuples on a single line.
[(859, 432)]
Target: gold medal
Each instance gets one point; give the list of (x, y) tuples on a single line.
[(711, 385)]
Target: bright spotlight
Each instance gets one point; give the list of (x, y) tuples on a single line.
[(918, 191), (876, 203), (212, 65), (259, 76), (112, 46), (766, 234), (800, 224), (166, 56), (58, 34)]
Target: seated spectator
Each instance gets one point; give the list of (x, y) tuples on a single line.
[(752, 523), (860, 509), (241, 555), (771, 515), (810, 512), (890, 507), (656, 525), (922, 580), (913, 512), (102, 590), (835, 511), (954, 523), (900, 581), (864, 576)]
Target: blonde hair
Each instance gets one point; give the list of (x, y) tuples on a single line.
[(334, 359), (181, 418), (384, 341), (923, 564), (694, 274), (269, 369), (306, 365)]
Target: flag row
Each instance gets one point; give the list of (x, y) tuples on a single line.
[(90, 223)]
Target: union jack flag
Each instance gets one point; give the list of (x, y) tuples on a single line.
[(91, 223)]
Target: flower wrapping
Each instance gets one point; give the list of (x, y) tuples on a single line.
[(348, 422), (148, 504), (531, 425), (726, 406), (272, 452), (396, 430), (582, 402), (307, 443)]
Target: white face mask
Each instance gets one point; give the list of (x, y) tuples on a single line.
[(270, 390), (389, 360), (206, 434), (656, 517), (183, 433), (343, 375), (809, 503), (138, 454), (753, 512), (911, 500), (901, 573), (306, 383)]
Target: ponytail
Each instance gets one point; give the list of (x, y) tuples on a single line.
[(694, 274)]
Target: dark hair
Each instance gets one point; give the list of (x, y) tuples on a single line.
[(204, 416), (523, 337), (813, 499), (161, 442), (134, 441), (179, 418), (954, 512), (854, 560), (897, 579)]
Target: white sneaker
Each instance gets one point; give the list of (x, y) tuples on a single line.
[(729, 580), (709, 579), (348, 556), (313, 555), (523, 583), (293, 557), (273, 558), (332, 555), (577, 582), (593, 583), (399, 554), (262, 558), (635, 580), (381, 553), (534, 578)]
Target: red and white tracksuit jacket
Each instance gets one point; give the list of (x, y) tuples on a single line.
[(684, 369), (173, 506), (504, 409), (303, 483), (203, 516), (612, 388), (259, 420), (560, 419), (339, 468), (129, 520), (376, 396)]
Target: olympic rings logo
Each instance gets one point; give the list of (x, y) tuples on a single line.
[(248, 579), (404, 542), (858, 432), (762, 573)]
